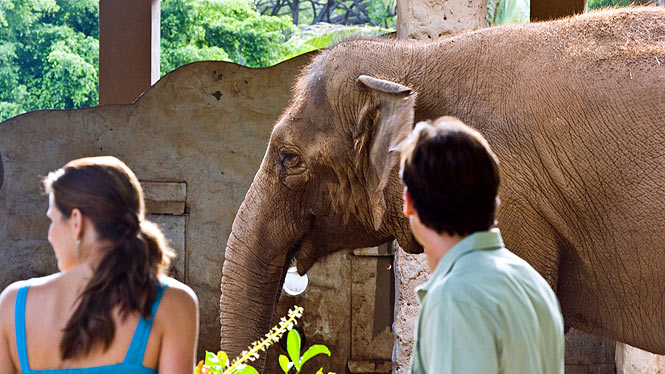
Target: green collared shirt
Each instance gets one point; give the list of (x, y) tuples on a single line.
[(485, 310)]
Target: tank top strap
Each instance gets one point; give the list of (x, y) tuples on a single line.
[(139, 342), (19, 327)]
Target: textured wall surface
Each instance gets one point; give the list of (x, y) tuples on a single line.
[(630, 360), (195, 140), (202, 129), (431, 19)]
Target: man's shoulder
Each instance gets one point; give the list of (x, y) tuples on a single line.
[(456, 288), (495, 264), (484, 276)]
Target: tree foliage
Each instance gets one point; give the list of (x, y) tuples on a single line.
[(346, 12), (504, 12), (49, 54), (49, 49), (230, 30), (596, 4)]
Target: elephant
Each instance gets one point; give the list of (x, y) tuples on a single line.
[(574, 110)]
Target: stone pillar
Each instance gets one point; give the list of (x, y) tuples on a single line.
[(422, 20), (633, 360), (128, 49), (410, 271)]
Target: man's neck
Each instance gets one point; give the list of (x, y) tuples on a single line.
[(437, 245)]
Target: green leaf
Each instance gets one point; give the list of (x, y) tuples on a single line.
[(245, 369), (314, 350), (320, 371), (293, 347), (211, 359), (223, 358), (284, 363)]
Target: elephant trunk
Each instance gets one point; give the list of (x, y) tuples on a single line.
[(247, 307), (253, 273)]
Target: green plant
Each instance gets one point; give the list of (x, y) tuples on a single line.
[(293, 348), (505, 12), (216, 364), (322, 35), (219, 363)]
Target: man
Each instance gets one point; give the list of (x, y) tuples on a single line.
[(484, 309)]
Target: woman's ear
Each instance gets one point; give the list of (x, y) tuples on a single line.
[(76, 220)]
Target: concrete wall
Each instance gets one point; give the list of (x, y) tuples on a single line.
[(195, 140), (198, 135)]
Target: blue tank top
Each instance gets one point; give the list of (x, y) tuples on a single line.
[(132, 364)]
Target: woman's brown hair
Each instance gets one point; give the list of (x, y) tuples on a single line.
[(107, 192)]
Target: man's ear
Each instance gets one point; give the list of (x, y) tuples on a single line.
[(390, 114), (408, 203)]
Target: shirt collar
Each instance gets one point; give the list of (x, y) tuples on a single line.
[(482, 240)]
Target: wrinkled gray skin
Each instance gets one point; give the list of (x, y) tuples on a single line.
[(575, 111)]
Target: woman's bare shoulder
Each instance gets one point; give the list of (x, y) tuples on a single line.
[(10, 292), (178, 293), (8, 295)]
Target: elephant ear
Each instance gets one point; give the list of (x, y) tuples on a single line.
[(392, 113)]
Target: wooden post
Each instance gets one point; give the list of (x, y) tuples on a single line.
[(542, 10), (128, 49)]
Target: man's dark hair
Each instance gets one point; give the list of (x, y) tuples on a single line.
[(452, 176)]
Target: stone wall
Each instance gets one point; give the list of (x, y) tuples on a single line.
[(195, 140)]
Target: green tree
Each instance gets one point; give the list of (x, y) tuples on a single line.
[(230, 30), (596, 4), (49, 49), (12, 93), (49, 55)]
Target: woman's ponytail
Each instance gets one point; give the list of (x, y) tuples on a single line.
[(106, 191)]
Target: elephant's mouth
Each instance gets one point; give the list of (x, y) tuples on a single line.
[(305, 253), (303, 256), (292, 254)]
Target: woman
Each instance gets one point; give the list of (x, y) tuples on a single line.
[(110, 309)]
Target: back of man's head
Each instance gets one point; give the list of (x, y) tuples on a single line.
[(452, 176)]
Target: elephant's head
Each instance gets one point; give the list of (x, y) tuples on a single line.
[(328, 182)]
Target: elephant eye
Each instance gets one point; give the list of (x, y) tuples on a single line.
[(289, 159)]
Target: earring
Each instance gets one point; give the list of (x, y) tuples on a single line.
[(78, 247)]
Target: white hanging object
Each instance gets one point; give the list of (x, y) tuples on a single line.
[(294, 284)]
